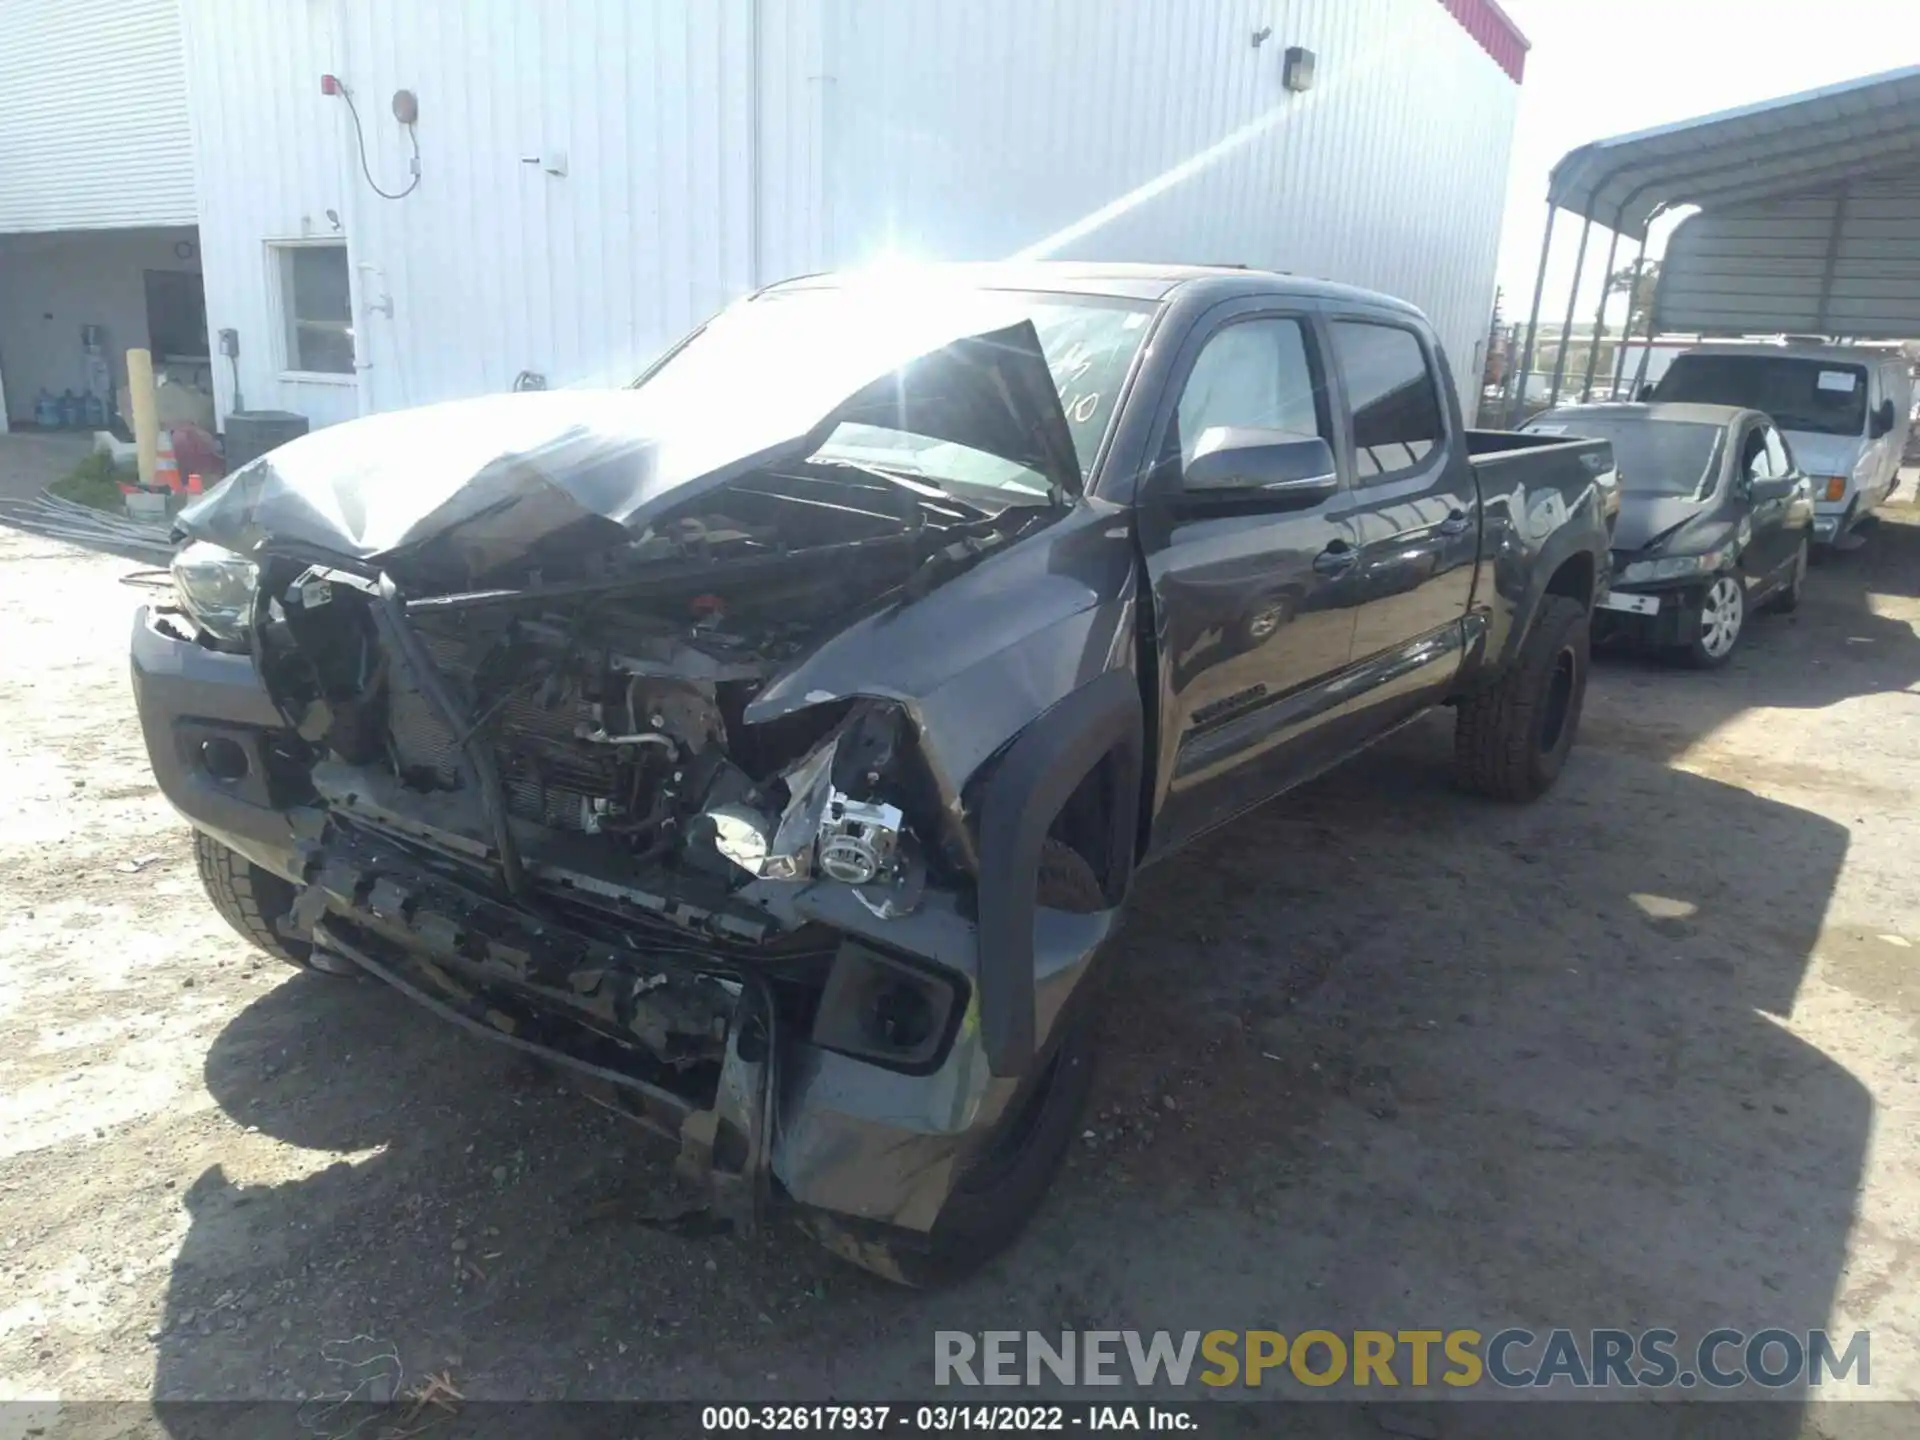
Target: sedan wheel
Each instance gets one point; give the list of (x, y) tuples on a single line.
[(1723, 615)]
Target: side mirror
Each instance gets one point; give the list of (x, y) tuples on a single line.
[(1882, 421), (1234, 464), (1645, 395)]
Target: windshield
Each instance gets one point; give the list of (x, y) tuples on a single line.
[(1805, 394), (1653, 457), (1089, 343)]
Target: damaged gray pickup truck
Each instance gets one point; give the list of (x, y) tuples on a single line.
[(770, 745)]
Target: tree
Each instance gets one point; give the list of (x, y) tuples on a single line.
[(1640, 304), (1494, 371)]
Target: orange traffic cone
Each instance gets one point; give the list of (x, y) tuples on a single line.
[(166, 469), (195, 485)]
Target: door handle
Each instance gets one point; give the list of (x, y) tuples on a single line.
[(1458, 522), (1336, 559)]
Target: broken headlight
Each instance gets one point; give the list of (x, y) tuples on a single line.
[(215, 588), (859, 838), (1677, 567)]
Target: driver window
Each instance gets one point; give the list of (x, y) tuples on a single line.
[(1255, 374), (1755, 464)]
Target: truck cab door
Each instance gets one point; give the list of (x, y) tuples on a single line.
[(1415, 512), (1250, 605)]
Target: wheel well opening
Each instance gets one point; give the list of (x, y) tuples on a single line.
[(1085, 822), (1574, 579)]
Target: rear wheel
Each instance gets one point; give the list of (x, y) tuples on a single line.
[(1722, 621), (1510, 742), (1003, 1184), (249, 899)]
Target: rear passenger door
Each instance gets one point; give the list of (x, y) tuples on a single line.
[(1414, 509)]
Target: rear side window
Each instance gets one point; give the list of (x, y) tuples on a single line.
[(1396, 404)]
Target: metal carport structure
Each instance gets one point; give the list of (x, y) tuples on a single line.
[(1809, 217)]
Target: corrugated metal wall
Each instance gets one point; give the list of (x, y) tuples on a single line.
[(93, 116), (1838, 263), (973, 130), (492, 265), (269, 164), (580, 277), (1156, 130)]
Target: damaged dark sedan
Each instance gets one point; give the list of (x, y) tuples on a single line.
[(1715, 523), (770, 746)]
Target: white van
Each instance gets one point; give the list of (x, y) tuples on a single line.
[(1845, 411)]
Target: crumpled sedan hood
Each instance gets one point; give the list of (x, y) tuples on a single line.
[(516, 468), (1647, 518)]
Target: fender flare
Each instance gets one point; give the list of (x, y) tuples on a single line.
[(1033, 780), (1560, 547)]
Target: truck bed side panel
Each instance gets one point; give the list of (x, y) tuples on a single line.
[(1545, 531)]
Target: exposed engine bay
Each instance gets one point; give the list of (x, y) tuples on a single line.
[(602, 705)]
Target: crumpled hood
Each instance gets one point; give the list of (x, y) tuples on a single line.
[(509, 470), (1647, 518)]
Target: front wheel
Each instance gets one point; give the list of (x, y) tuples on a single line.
[(1723, 620), (253, 901), (1510, 742), (1003, 1183)]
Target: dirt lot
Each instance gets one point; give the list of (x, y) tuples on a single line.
[(1380, 1056)]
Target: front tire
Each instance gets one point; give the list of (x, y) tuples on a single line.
[(1005, 1181), (249, 899), (1723, 620), (1510, 742)]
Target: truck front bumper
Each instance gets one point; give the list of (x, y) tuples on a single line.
[(218, 745), (789, 1122)]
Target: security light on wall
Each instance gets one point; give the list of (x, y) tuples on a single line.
[(1297, 67)]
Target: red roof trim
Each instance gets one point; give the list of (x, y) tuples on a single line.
[(1498, 35)]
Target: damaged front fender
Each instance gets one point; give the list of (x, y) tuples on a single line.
[(996, 648)]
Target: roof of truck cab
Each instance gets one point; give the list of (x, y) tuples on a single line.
[(1675, 413), (1121, 281)]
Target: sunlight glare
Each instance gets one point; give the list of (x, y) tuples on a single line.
[(1289, 108)]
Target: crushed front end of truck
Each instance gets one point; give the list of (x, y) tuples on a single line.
[(689, 771)]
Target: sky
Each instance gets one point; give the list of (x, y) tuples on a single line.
[(1601, 68)]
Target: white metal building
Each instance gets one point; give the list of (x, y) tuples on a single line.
[(596, 176)]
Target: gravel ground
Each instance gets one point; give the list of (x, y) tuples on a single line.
[(1378, 1056)]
